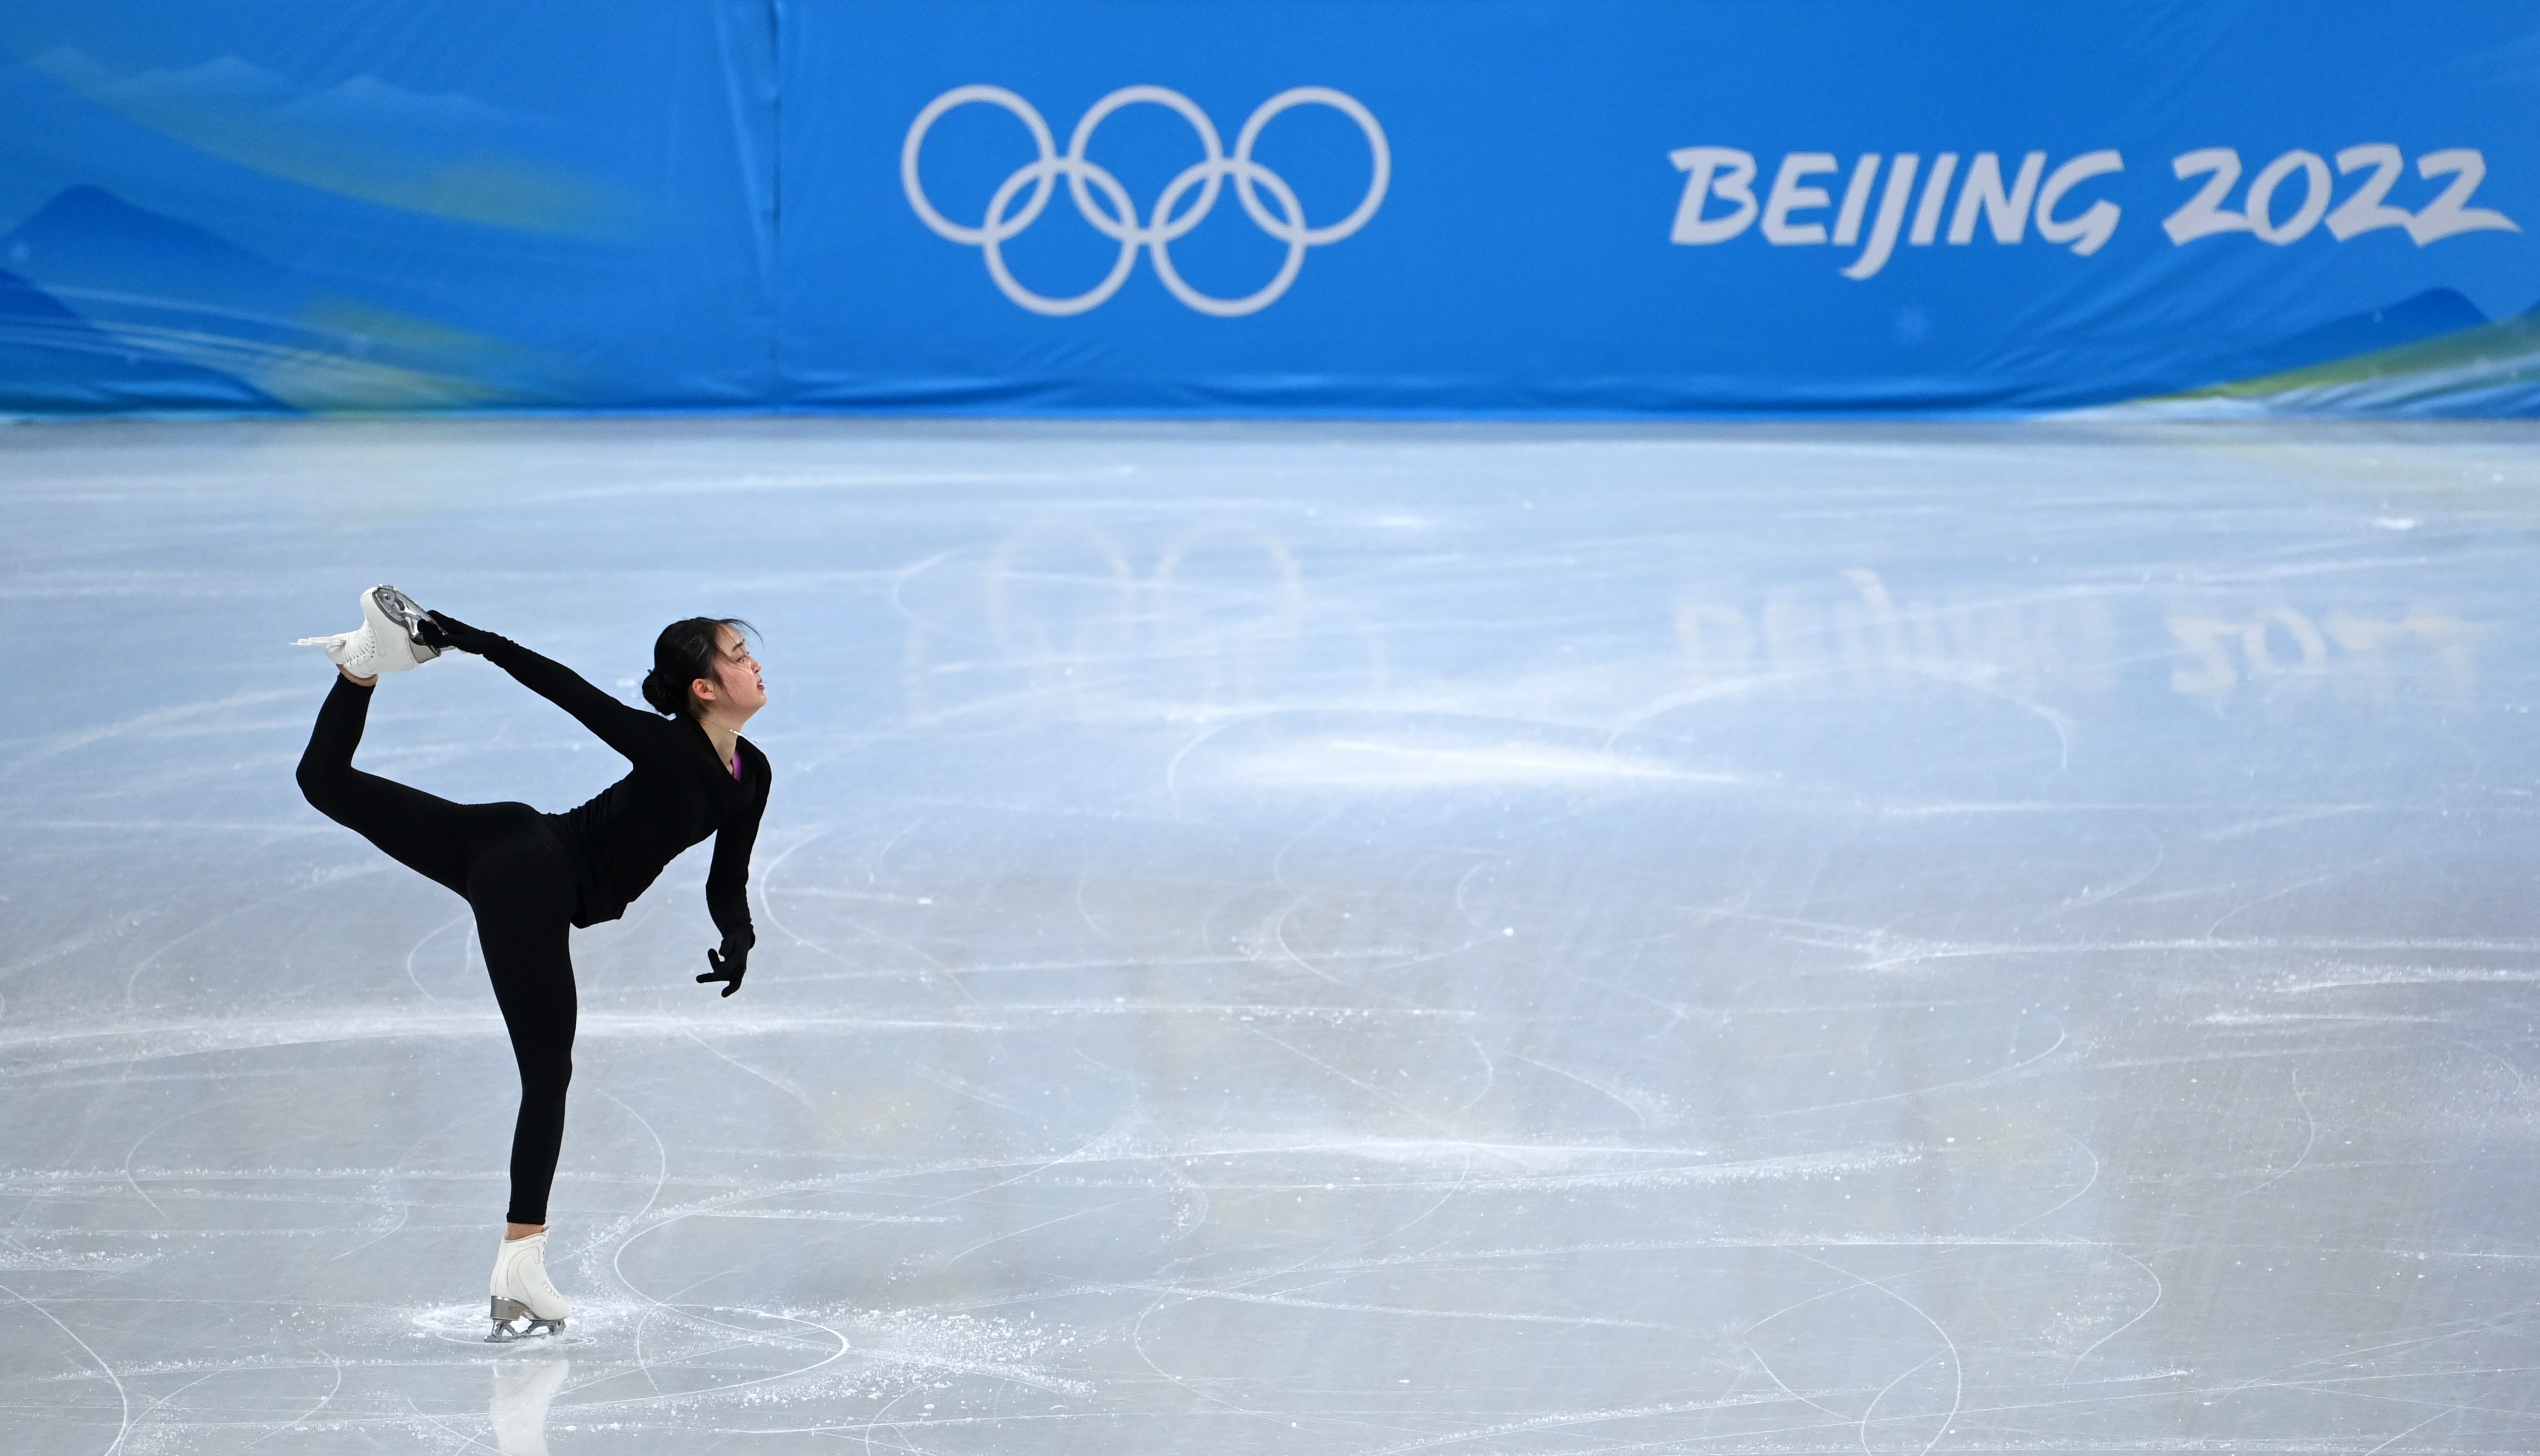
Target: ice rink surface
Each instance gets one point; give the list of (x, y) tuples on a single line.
[(1539, 942)]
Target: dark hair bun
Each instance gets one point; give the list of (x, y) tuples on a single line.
[(666, 697)]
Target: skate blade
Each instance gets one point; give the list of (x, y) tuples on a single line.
[(408, 616), (398, 606), (513, 1323)]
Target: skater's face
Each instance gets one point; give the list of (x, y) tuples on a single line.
[(737, 686)]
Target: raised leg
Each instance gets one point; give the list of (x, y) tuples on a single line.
[(424, 832)]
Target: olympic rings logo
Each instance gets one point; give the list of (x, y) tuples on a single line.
[(1115, 217)]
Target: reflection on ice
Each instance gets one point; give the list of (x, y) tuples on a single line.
[(1375, 939), (523, 1388), (1451, 760)]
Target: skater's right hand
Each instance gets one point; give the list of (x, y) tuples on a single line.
[(444, 631), (729, 966)]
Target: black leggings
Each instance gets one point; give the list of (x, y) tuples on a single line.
[(515, 874)]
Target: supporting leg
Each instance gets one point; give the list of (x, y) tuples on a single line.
[(521, 890)]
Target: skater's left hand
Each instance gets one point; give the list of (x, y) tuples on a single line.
[(728, 967), (443, 631)]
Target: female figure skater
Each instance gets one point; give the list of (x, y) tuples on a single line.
[(528, 875)]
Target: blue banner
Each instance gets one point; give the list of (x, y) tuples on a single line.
[(1433, 207), (290, 204)]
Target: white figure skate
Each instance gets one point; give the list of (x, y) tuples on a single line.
[(525, 1304), (384, 643)]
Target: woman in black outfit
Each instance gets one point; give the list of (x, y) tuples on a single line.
[(528, 875)]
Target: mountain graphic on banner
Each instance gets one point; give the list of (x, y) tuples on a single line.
[(2432, 354), (2414, 320), (55, 361), (160, 284)]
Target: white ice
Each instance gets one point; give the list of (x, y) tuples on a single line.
[(1530, 940)]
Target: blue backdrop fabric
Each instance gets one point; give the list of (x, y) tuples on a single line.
[(1431, 207)]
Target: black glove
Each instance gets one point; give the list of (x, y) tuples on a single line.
[(441, 631), (729, 966)]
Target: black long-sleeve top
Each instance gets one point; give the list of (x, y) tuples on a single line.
[(678, 792)]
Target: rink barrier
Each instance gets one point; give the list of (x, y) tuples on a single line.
[(1392, 207)]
